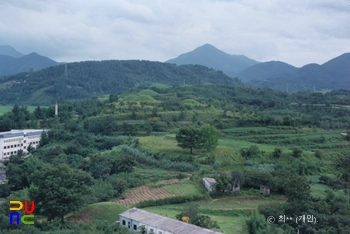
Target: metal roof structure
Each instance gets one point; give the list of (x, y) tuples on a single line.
[(9, 134), (164, 223), (17, 133), (210, 180)]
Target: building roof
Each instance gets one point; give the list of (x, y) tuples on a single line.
[(34, 133), (210, 180), (9, 134), (16, 133), (164, 223)]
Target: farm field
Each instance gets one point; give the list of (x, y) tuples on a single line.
[(143, 193), (160, 190)]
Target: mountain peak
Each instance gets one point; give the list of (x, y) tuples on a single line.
[(10, 51), (209, 56), (11, 65), (207, 46)]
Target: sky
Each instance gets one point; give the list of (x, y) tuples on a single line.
[(298, 32)]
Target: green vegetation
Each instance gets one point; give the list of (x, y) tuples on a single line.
[(292, 143), (98, 78), (102, 211)]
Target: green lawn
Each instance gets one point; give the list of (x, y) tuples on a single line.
[(183, 189)]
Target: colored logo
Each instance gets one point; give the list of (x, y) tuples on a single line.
[(28, 218)]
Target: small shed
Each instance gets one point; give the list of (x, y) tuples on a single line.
[(209, 183), (264, 189)]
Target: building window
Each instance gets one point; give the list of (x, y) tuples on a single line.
[(11, 146), (123, 222), (4, 147), (135, 227), (25, 141), (160, 232), (129, 225)]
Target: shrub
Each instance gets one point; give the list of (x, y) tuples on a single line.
[(251, 152), (161, 163), (169, 200), (297, 152), (318, 153), (277, 153)]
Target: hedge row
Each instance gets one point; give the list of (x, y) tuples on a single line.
[(170, 200), (161, 163)]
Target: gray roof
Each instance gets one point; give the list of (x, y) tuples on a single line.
[(210, 180), (9, 135), (164, 223), (16, 133), (35, 133)]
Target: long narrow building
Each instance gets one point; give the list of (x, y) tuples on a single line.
[(16, 140), (135, 218)]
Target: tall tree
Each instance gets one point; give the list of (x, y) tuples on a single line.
[(189, 138), (59, 190), (209, 137), (193, 138)]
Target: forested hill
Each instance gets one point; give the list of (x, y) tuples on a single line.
[(93, 78), (12, 65)]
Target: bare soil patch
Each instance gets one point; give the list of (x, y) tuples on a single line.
[(143, 193)]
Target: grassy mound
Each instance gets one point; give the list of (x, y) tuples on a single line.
[(148, 92), (139, 98), (191, 102)]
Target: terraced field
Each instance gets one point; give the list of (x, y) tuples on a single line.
[(143, 193)]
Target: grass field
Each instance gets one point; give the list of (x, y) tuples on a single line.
[(104, 211), (230, 212), (183, 189), (4, 109)]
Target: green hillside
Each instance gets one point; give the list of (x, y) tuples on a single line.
[(125, 150), (97, 78)]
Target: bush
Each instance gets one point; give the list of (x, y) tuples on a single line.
[(161, 163), (318, 153), (297, 152), (170, 200), (277, 153), (251, 152)]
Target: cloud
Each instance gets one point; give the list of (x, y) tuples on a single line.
[(297, 32)]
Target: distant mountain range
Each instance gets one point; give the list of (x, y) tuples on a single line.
[(13, 62), (334, 74), (209, 56)]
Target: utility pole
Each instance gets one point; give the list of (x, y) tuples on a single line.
[(66, 71)]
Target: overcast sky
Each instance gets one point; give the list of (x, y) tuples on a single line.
[(294, 31)]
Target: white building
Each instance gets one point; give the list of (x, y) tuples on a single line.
[(135, 218), (15, 140), (209, 183)]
